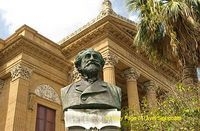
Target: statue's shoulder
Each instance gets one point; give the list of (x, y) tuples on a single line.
[(113, 88), (67, 88)]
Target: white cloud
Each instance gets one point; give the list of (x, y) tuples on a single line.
[(54, 19)]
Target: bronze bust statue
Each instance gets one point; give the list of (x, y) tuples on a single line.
[(90, 92)]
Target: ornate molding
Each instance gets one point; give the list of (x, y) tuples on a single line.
[(47, 92), (21, 44), (20, 71), (106, 8), (110, 59), (131, 74)]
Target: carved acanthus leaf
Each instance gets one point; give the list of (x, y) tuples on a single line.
[(131, 74), (150, 85), (110, 59), (75, 75), (20, 71)]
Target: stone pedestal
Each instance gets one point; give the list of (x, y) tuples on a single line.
[(92, 120)]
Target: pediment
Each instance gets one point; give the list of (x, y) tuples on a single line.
[(108, 26)]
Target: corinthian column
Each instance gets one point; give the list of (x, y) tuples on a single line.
[(151, 94), (131, 76), (109, 68), (75, 75)]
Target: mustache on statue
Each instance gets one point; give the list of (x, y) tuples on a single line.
[(92, 62)]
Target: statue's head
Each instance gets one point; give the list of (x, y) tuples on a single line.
[(89, 61)]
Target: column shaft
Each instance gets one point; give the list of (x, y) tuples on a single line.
[(109, 74), (133, 98), (151, 94), (131, 76), (109, 68)]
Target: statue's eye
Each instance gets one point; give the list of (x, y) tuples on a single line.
[(95, 56), (87, 56)]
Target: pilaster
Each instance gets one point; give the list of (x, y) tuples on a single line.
[(18, 98)]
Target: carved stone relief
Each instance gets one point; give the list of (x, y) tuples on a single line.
[(75, 75), (131, 74), (31, 101), (20, 71), (150, 85), (47, 92), (110, 59)]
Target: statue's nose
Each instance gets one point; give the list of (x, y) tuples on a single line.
[(91, 57)]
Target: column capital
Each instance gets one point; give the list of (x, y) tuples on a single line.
[(20, 71), (74, 74), (150, 85), (131, 74), (110, 59), (151, 95)]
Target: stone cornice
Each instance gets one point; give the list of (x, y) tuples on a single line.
[(124, 39), (31, 34), (166, 69), (20, 44), (92, 25), (107, 29)]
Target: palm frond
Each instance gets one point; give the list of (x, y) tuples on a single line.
[(135, 5)]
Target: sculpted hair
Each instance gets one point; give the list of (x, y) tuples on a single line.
[(81, 54)]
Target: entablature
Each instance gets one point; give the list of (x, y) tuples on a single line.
[(23, 50)]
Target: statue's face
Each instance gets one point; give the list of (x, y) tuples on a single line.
[(91, 62)]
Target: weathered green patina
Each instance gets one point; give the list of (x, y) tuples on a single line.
[(90, 92)]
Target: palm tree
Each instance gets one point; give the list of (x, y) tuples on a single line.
[(174, 21)]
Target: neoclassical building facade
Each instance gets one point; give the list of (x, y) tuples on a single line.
[(33, 69)]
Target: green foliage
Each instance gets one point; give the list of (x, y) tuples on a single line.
[(180, 110), (176, 19)]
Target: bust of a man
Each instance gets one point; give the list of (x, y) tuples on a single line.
[(90, 92)]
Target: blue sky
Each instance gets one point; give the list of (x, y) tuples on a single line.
[(54, 19)]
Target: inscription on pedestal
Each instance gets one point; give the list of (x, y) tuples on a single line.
[(91, 119)]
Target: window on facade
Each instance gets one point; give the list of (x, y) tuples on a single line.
[(45, 120)]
